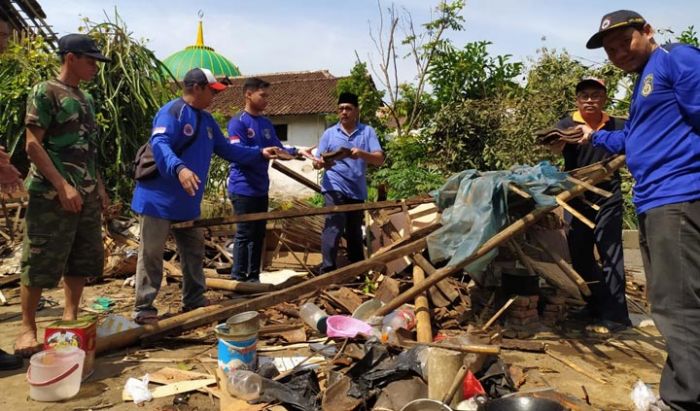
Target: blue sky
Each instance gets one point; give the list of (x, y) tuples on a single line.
[(265, 36)]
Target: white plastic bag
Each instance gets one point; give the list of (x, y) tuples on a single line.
[(643, 397), (138, 389)]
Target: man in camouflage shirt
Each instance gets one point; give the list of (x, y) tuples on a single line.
[(63, 235)]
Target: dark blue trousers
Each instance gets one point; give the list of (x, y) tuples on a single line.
[(607, 300), (250, 238), (348, 225)]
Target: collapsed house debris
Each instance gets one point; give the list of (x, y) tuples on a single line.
[(438, 309)]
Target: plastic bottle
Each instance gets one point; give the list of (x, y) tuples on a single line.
[(313, 316), (244, 384), (402, 317)]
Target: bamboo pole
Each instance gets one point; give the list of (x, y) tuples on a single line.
[(504, 235), (576, 214), (424, 331), (295, 176), (465, 348), (277, 215), (499, 313), (590, 187)]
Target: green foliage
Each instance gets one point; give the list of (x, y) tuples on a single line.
[(128, 93), (24, 63), (689, 36), (408, 170), (471, 73)]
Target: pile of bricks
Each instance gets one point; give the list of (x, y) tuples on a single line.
[(522, 317), (554, 309)]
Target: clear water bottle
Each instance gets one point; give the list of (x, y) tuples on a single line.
[(244, 384), (313, 316), (402, 317)]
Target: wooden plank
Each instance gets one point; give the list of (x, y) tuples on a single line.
[(424, 331), (295, 176), (443, 293), (590, 187), (276, 215), (9, 279), (503, 236), (175, 388), (555, 276), (499, 313), (224, 310), (574, 212), (466, 348)]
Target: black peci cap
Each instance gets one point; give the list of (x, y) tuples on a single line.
[(80, 44), (348, 98), (612, 21)]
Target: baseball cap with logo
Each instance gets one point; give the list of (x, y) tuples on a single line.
[(80, 44), (612, 21), (590, 82), (202, 76)]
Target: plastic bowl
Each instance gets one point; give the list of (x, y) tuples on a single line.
[(346, 327)]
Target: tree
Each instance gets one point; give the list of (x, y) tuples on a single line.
[(421, 49), (689, 36)]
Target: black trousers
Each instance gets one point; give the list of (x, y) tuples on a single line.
[(250, 238), (341, 224), (607, 300), (670, 243)]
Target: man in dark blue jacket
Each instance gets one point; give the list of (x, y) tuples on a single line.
[(661, 140), (248, 184), (183, 138)]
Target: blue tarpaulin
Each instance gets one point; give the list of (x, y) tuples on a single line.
[(474, 209)]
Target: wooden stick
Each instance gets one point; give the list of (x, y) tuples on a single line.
[(459, 378), (596, 207), (523, 258), (576, 214), (519, 191), (220, 312), (295, 176), (566, 268), (424, 331), (284, 243), (577, 368), (590, 187), (277, 215), (504, 235), (466, 348), (499, 313), (443, 291)]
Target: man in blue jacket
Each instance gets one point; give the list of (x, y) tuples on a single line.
[(248, 184), (344, 180), (661, 140), (183, 138)]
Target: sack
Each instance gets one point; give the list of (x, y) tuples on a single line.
[(144, 165)]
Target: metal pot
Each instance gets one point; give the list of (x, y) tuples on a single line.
[(522, 404)]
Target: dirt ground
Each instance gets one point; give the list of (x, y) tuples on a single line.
[(636, 354)]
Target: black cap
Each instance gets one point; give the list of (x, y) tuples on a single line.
[(202, 76), (590, 82), (612, 21), (348, 98), (80, 44)]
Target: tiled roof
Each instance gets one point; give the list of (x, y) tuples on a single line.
[(310, 92)]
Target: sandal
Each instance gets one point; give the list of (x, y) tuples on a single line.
[(146, 318), (27, 352), (605, 328)]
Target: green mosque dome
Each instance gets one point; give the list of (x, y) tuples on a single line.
[(201, 56)]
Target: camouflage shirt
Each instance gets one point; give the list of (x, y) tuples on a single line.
[(67, 115)]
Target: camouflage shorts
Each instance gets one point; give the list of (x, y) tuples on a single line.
[(58, 243)]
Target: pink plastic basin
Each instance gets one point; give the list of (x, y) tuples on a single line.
[(346, 327)]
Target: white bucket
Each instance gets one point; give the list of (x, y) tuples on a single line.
[(55, 374)]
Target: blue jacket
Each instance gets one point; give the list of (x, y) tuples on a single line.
[(662, 136), (247, 130), (177, 122), (348, 175)]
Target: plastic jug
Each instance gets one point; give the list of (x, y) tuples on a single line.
[(55, 374)]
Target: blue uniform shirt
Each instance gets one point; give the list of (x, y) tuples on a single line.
[(662, 136), (176, 123), (348, 175), (245, 129)]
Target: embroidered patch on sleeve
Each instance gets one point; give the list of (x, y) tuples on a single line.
[(158, 130)]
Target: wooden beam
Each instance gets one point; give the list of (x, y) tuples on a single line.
[(574, 212), (499, 313), (277, 215), (504, 235), (442, 291), (519, 191), (566, 268), (220, 312), (590, 187), (295, 176), (466, 348)]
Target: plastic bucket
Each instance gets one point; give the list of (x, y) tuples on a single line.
[(55, 374), (424, 404), (238, 342)]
